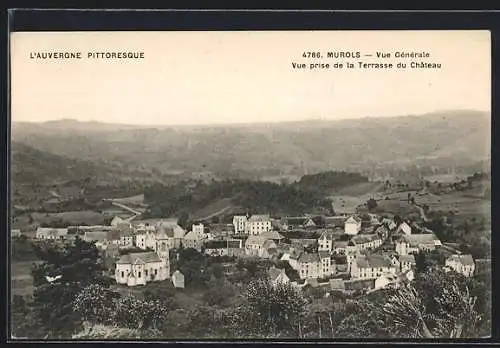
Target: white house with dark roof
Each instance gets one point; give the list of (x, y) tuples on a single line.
[(259, 246), (193, 240), (406, 263), (410, 244), (404, 228), (258, 224), (352, 225), (51, 233), (326, 240), (363, 242), (140, 268), (463, 264), (314, 265), (277, 276), (239, 223), (371, 266)]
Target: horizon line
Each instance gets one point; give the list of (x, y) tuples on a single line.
[(315, 119)]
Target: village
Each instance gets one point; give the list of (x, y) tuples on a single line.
[(346, 253)]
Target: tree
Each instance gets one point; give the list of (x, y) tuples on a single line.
[(95, 303), (440, 303), (371, 204), (136, 313), (77, 265), (270, 311), (183, 219)]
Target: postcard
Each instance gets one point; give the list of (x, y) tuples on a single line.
[(248, 185)]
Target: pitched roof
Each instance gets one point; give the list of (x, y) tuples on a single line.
[(256, 240), (261, 217), (272, 235), (407, 258), (95, 235), (193, 236), (365, 238), (465, 260), (269, 244), (274, 272), (52, 231), (421, 238), (373, 261), (340, 243), (328, 234), (145, 257), (305, 257), (353, 219)]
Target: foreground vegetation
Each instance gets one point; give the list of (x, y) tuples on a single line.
[(237, 302)]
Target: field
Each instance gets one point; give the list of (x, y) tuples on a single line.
[(347, 199), (22, 282), (71, 217), (132, 200), (463, 206), (445, 178), (220, 207)]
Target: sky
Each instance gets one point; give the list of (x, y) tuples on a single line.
[(244, 77)]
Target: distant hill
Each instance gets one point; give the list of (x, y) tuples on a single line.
[(38, 175), (372, 146)]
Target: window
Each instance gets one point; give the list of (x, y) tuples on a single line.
[(146, 273), (139, 274), (123, 274)]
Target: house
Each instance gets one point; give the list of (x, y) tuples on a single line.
[(463, 264), (389, 223), (277, 276), (273, 235), (387, 280), (371, 266), (353, 285), (325, 241), (152, 225), (352, 225), (51, 233), (334, 221), (239, 223), (258, 224), (382, 231), (15, 233), (178, 279), (363, 242), (228, 247), (193, 240), (314, 265), (292, 256), (198, 229), (125, 236), (409, 244), (139, 268), (404, 228), (164, 239), (118, 221), (259, 246), (298, 222), (95, 236), (340, 247), (406, 263)]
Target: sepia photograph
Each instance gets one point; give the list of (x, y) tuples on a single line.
[(250, 185)]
